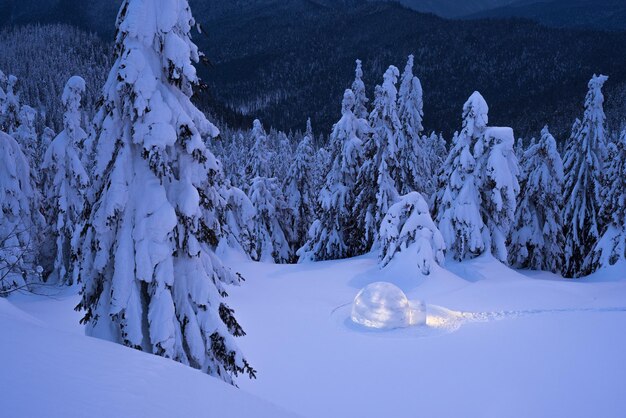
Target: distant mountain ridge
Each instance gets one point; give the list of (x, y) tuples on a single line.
[(584, 14)]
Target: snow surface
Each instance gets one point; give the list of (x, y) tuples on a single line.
[(51, 369), (497, 343)]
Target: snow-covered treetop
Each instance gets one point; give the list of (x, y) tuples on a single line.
[(154, 50), (358, 88), (594, 118), (309, 129), (71, 98), (260, 155), (347, 104), (475, 115)]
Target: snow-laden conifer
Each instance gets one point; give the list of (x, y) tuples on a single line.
[(408, 227), (458, 202), (583, 164), (537, 234), (9, 105), (378, 177), (496, 173), (20, 222), (272, 218), (151, 278), (329, 235), (259, 159), (65, 181), (299, 188), (413, 171), (437, 151), (360, 96), (611, 247)]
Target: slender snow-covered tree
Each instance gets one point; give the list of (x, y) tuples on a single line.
[(26, 135), (151, 279), (458, 204), (583, 165), (10, 106), (271, 220), (408, 227), (611, 247), (65, 181), (413, 171), (329, 235), (437, 151), (496, 171), (20, 222), (282, 159), (258, 161), (379, 175), (537, 234), (360, 96), (299, 188)]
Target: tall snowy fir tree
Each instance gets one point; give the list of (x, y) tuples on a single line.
[(10, 106), (259, 158), (496, 171), (413, 170), (329, 235), (537, 234), (583, 165), (458, 202), (377, 184), (360, 96), (272, 220), (151, 278), (20, 222), (299, 188), (65, 182), (26, 135), (611, 247), (437, 151)]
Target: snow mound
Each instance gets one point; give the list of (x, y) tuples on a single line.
[(383, 305)]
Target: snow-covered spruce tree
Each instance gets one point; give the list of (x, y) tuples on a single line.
[(496, 174), (329, 235), (537, 234), (26, 135), (376, 189), (458, 205), (258, 161), (437, 151), (360, 96), (413, 172), (282, 159), (271, 221), (321, 166), (65, 181), (150, 277), (583, 164), (10, 107), (611, 247), (20, 221), (299, 188), (408, 226), (237, 220)]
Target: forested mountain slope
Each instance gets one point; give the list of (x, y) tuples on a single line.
[(282, 61)]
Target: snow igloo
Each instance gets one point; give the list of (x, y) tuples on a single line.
[(385, 306)]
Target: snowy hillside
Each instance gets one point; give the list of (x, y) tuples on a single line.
[(527, 346), (49, 369), (499, 344)]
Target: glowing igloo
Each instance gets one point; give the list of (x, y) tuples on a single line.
[(381, 305)]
